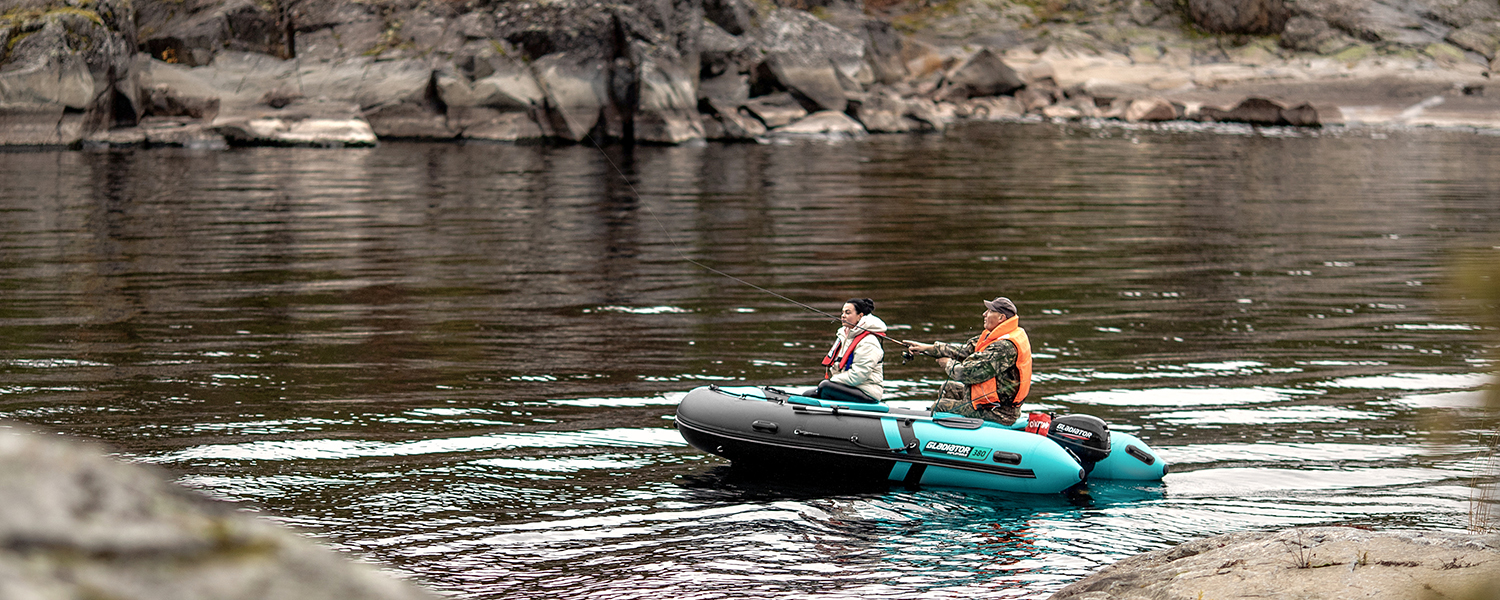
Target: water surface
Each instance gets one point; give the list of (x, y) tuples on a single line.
[(461, 361)]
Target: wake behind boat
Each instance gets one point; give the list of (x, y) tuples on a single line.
[(764, 428)]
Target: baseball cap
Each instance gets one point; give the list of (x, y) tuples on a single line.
[(1001, 305)]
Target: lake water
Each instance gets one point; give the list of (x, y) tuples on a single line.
[(461, 361)]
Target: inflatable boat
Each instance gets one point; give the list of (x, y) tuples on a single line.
[(766, 428)]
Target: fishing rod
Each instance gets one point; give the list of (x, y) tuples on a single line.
[(680, 254)]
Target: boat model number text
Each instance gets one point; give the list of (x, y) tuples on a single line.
[(956, 450)]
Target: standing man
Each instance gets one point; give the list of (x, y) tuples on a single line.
[(990, 374)]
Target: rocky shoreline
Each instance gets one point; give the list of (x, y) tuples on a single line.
[(347, 73), (1305, 562)]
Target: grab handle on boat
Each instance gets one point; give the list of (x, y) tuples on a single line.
[(949, 422), (959, 422), (854, 439)]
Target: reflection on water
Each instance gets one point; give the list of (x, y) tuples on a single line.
[(462, 361)]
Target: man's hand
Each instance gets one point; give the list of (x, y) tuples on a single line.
[(943, 362), (917, 347)]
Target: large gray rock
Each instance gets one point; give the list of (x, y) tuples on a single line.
[(729, 89), (932, 115), (177, 132), (164, 101), (323, 133), (195, 38), (409, 121), (1002, 108), (336, 30), (775, 110), (500, 82), (1311, 115), (395, 98), (881, 110), (1255, 111), (1461, 13), (1254, 17), (1309, 34), (812, 59), (1313, 563), (1265, 111), (79, 525), (721, 53), (825, 123), (666, 108), (729, 123), (577, 92), (253, 91), (584, 30), (506, 104), (429, 30), (722, 100), (817, 86), (61, 79), (733, 16), (72, 62), (39, 125), (1397, 23), (616, 70), (1151, 109), (241, 79), (983, 74), (885, 51), (1482, 37), (300, 122)]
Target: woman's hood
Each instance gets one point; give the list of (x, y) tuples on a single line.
[(870, 323)]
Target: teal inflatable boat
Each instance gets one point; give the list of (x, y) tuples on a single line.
[(764, 428)]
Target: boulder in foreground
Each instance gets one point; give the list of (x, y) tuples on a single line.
[(79, 525), (1307, 563)]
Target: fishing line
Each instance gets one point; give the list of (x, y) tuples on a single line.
[(684, 256), (906, 355)]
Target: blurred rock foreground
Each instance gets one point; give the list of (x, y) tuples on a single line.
[(350, 72), (76, 524), (1308, 563)]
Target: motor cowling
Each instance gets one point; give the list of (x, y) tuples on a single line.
[(1086, 436)]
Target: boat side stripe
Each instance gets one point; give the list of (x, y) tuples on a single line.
[(893, 433), (919, 462)]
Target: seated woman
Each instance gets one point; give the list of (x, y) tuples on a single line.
[(856, 369)]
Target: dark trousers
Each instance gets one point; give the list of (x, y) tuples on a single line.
[(828, 390)]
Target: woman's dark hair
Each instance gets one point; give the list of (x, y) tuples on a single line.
[(862, 306)]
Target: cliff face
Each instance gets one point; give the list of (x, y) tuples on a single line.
[(345, 72)]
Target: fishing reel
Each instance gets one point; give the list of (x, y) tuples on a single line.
[(907, 355)]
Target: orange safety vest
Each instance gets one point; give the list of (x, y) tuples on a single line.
[(983, 393)]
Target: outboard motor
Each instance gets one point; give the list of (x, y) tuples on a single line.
[(1086, 436)]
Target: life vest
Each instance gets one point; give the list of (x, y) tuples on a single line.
[(983, 393), (844, 357)]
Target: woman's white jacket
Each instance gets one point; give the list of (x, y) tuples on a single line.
[(868, 370)]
